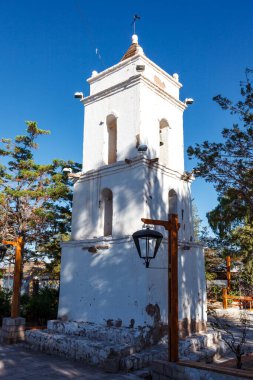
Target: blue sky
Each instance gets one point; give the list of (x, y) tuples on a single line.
[(48, 52)]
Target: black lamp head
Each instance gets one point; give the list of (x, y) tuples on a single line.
[(147, 236)]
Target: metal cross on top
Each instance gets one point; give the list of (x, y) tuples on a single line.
[(136, 17)]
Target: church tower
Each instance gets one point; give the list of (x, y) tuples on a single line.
[(133, 168)]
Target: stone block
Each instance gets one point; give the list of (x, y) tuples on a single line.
[(19, 321), (15, 335), (7, 321), (112, 365), (158, 366), (13, 330), (51, 324)]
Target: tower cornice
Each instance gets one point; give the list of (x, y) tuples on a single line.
[(139, 78), (126, 62), (119, 166)]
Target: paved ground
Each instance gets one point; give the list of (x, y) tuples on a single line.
[(16, 363)]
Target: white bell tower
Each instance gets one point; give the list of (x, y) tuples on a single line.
[(134, 102), (133, 167)]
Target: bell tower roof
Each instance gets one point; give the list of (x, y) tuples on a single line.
[(133, 49)]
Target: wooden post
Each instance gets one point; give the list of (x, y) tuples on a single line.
[(15, 304), (173, 288), (228, 262), (224, 298), (172, 226)]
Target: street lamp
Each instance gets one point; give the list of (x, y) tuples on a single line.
[(18, 244), (172, 226), (151, 239)]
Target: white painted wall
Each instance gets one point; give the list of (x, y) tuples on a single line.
[(139, 190), (114, 283), (139, 101)]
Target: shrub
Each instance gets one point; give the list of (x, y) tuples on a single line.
[(214, 292), (5, 303), (42, 306)]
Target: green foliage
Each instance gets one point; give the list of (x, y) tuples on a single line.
[(35, 199), (211, 276), (40, 307), (213, 260), (214, 292), (244, 279), (5, 304), (228, 165)]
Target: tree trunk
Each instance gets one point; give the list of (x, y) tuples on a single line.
[(239, 361)]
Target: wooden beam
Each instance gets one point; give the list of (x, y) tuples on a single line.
[(240, 298), (156, 222)]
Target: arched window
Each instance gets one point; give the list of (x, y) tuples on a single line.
[(111, 122), (164, 141), (172, 202), (107, 208)]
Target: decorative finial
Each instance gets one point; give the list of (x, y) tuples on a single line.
[(134, 39), (136, 17)]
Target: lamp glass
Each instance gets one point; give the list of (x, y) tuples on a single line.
[(147, 243)]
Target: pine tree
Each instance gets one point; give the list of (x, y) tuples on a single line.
[(35, 199)]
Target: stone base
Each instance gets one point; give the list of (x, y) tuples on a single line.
[(13, 330), (116, 348), (189, 327)]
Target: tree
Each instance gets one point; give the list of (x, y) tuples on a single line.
[(35, 199), (228, 165), (234, 335)]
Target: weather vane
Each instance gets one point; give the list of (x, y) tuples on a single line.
[(136, 17)]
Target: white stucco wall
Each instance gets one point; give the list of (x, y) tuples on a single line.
[(139, 101), (139, 190), (126, 183), (113, 283)]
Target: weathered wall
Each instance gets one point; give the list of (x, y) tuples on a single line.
[(105, 279)]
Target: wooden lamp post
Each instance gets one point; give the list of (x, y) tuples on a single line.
[(172, 226), (18, 244)]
